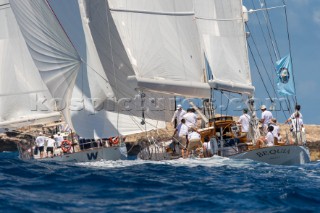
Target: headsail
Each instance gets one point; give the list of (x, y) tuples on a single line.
[(223, 37), (24, 98), (50, 48), (163, 46), (82, 70)]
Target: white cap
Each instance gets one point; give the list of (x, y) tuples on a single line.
[(263, 107), (179, 106)]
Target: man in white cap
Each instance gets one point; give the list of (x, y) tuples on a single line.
[(266, 117), (178, 114)]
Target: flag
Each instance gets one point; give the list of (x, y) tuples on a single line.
[(285, 84)]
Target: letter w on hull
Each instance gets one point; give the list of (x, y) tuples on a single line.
[(92, 156)]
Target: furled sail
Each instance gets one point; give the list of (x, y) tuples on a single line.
[(223, 38), (67, 54), (163, 46), (24, 98)]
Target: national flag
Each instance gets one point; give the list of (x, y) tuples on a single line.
[(285, 84)]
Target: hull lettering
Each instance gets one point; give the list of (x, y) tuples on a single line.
[(92, 156), (273, 152)]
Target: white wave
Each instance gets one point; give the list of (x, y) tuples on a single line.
[(214, 161)]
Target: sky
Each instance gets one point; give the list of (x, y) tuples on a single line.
[(304, 31)]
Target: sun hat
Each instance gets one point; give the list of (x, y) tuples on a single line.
[(263, 107)]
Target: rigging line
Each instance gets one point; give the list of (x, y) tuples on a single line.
[(221, 104), (264, 37), (274, 37), (265, 69), (270, 37), (112, 59), (227, 107), (263, 64), (263, 34), (91, 68), (255, 62), (287, 27)]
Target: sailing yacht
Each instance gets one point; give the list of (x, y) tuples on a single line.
[(190, 48), (82, 61)]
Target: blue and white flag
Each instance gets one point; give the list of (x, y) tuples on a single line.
[(285, 82)]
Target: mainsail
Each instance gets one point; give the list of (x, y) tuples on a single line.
[(83, 71), (163, 46), (24, 98), (223, 38)]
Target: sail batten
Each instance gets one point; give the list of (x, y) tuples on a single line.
[(185, 88), (186, 13)]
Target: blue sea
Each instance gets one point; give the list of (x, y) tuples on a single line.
[(185, 185)]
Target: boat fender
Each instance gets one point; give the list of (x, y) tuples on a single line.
[(65, 146)]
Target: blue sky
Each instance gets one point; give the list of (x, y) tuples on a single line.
[(304, 23)]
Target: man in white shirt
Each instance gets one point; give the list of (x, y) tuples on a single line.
[(276, 129), (297, 110), (191, 118), (178, 114), (59, 139), (266, 117), (40, 140), (194, 141), (297, 125), (244, 121), (50, 146), (268, 140), (182, 131)]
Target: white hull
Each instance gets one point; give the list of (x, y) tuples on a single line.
[(277, 155), (94, 154), (155, 152)]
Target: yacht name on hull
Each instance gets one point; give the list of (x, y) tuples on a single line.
[(274, 152)]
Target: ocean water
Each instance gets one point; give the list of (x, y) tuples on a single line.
[(185, 185)]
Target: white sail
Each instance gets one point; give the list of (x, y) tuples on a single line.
[(24, 98), (163, 46), (223, 37), (50, 48), (59, 48), (120, 113)]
